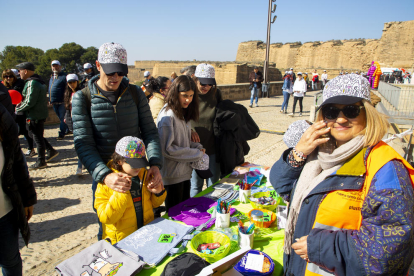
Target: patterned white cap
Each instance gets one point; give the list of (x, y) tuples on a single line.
[(113, 58), (346, 89), (55, 62), (87, 66), (202, 164), (295, 132), (72, 77), (205, 73), (147, 73), (133, 150)]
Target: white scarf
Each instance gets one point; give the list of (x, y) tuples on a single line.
[(320, 164)]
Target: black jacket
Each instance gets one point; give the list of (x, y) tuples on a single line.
[(85, 79), (15, 179), (233, 126), (5, 100)]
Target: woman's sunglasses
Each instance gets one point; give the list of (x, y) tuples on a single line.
[(8, 77), (121, 74), (205, 84), (349, 111)]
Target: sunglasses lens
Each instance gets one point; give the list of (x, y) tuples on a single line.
[(351, 111), (330, 112), (121, 74)]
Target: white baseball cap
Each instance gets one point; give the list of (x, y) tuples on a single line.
[(87, 66), (299, 73), (206, 74), (113, 58), (147, 73), (55, 62), (72, 77), (16, 72)]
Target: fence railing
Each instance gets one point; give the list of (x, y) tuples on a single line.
[(399, 101)]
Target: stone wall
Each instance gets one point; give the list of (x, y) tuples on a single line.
[(240, 91), (226, 72), (394, 49)]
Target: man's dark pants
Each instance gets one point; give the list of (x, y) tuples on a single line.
[(37, 128), (60, 111)]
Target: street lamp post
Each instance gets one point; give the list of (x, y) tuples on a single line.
[(265, 87)]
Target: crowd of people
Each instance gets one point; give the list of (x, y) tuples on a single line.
[(146, 148)]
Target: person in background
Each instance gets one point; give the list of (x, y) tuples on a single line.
[(324, 79), (160, 87), (255, 78), (315, 80), (57, 87), (287, 89), (34, 106), (350, 195), (121, 214), (88, 74), (17, 196), (299, 90), (202, 130), (72, 86), (13, 83), (16, 73), (188, 70), (173, 76), (293, 75), (174, 129), (147, 76)]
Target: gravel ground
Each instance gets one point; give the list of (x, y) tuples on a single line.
[(64, 222)]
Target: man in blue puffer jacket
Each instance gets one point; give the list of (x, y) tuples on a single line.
[(106, 110), (57, 87)]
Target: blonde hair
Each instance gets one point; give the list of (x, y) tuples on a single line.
[(376, 124)]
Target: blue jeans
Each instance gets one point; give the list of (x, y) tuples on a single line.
[(100, 231), (197, 182), (10, 260), (285, 103), (314, 85), (254, 93), (60, 111)]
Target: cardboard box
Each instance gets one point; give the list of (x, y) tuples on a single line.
[(222, 267)]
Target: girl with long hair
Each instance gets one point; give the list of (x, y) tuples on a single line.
[(174, 129)]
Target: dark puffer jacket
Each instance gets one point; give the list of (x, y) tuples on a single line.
[(57, 88), (99, 126), (15, 179)]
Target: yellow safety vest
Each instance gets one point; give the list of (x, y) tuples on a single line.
[(342, 209)]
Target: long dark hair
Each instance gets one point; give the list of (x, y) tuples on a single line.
[(162, 83), (183, 83), (68, 95)]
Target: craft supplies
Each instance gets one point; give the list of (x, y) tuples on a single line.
[(245, 238), (262, 218), (265, 200), (211, 237), (210, 246), (223, 207), (255, 263)]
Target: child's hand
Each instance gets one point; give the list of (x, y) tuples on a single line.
[(203, 150)]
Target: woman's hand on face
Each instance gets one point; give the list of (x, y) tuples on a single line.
[(203, 150), (194, 137), (311, 139)]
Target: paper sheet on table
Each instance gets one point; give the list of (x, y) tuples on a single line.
[(254, 262)]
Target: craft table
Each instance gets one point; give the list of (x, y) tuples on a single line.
[(269, 241)]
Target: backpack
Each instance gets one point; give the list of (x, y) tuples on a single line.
[(316, 78), (187, 264), (87, 93)]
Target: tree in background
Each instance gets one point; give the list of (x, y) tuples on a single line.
[(72, 56)]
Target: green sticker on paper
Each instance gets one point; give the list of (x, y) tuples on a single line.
[(166, 238)]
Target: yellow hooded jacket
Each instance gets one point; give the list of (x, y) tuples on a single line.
[(116, 210)]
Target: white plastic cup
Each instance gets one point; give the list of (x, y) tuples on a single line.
[(246, 240), (244, 195), (222, 220)]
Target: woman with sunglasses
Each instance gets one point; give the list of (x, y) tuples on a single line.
[(11, 81), (202, 130), (350, 194), (159, 87)]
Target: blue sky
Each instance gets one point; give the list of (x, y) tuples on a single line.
[(187, 30)]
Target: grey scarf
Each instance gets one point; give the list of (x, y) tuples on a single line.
[(321, 163)]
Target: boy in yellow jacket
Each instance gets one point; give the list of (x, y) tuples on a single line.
[(121, 214)]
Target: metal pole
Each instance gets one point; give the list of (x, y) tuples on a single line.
[(266, 63)]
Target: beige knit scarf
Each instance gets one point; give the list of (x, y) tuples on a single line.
[(320, 164)]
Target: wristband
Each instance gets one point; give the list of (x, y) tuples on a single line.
[(300, 154), (293, 162), (160, 193)]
